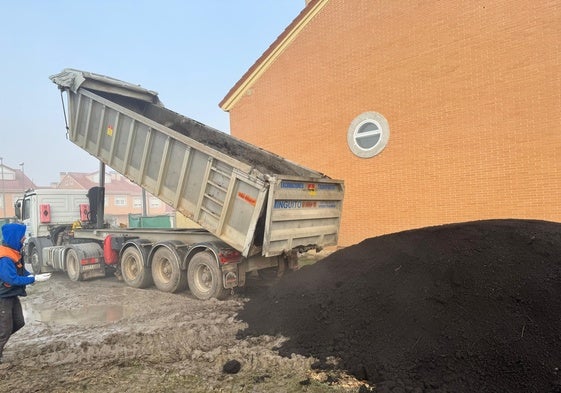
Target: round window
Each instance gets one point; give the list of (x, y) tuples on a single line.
[(368, 134)]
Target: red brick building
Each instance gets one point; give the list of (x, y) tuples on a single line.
[(13, 183), (432, 112)]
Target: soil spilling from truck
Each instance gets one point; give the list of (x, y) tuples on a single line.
[(471, 307)]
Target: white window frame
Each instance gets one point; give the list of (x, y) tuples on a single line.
[(120, 200), (354, 134), (137, 202), (154, 202)]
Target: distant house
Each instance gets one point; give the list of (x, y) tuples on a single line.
[(431, 112), (13, 184), (122, 197)]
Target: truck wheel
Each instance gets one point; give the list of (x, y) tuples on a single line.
[(166, 271), (204, 277), (35, 261), (133, 270), (73, 266)]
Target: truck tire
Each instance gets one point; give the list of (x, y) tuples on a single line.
[(134, 271), (73, 266), (35, 261), (166, 271), (204, 277)]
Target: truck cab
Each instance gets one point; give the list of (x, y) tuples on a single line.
[(43, 209), (47, 215)]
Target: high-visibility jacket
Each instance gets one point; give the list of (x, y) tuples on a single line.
[(9, 255)]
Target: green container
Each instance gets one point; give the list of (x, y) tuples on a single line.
[(139, 221)]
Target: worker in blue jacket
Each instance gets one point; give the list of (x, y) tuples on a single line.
[(13, 279)]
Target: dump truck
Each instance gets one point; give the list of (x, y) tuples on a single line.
[(258, 211)]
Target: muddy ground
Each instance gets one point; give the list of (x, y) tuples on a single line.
[(471, 307), (102, 336)]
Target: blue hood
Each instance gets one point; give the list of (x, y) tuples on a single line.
[(12, 234)]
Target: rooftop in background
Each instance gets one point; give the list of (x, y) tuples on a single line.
[(14, 180), (114, 182)]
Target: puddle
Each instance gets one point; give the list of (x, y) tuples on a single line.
[(82, 316)]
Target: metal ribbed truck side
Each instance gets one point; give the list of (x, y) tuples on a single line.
[(253, 200)]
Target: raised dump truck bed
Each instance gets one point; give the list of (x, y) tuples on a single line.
[(253, 200)]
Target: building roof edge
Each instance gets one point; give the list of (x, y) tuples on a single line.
[(271, 54)]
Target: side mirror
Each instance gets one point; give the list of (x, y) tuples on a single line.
[(17, 208)]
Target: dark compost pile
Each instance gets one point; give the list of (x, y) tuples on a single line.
[(470, 307)]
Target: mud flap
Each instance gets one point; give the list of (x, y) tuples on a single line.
[(233, 275), (92, 255), (92, 271), (230, 279)]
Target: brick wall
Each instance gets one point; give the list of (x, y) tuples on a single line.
[(472, 94)]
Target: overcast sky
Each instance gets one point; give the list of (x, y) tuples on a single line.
[(190, 52)]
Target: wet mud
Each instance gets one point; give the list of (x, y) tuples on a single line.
[(102, 336)]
